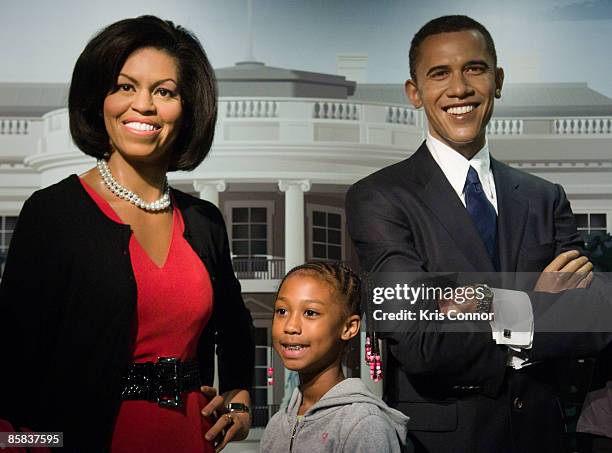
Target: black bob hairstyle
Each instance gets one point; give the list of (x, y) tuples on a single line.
[(447, 24), (95, 75)]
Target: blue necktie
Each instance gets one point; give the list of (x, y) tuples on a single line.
[(482, 213)]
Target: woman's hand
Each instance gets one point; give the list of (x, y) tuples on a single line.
[(228, 426)]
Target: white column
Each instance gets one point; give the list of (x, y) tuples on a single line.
[(295, 243), (209, 189)]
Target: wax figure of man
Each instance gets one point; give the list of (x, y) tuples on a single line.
[(451, 207)]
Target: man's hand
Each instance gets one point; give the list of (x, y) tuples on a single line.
[(228, 426), (568, 270)]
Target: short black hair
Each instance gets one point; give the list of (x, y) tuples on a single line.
[(447, 24), (338, 276), (95, 76)]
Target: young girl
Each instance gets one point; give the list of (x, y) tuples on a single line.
[(316, 314)]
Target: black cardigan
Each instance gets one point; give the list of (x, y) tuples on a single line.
[(67, 306)]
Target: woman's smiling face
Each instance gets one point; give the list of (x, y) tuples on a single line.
[(142, 113)]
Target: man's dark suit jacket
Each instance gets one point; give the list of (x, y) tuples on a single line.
[(457, 388)]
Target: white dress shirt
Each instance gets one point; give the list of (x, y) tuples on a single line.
[(512, 312), (455, 167)]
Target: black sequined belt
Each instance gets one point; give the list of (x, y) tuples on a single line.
[(162, 382)]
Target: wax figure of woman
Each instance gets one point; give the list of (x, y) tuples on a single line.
[(117, 287)]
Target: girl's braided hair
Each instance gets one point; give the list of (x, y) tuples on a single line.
[(339, 276)]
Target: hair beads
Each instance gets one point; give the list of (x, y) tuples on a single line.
[(372, 358), (270, 374), (372, 350)]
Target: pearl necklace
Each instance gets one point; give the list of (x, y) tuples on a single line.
[(122, 192)]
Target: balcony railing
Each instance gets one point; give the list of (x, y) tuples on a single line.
[(402, 115), (505, 126), (251, 108), (15, 126), (258, 267), (583, 126), (335, 110), (247, 122)]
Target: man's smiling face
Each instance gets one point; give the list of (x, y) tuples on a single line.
[(456, 81)]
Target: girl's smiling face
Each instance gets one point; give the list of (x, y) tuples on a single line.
[(311, 324)]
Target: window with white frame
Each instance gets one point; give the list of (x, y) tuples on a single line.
[(326, 228), (249, 231), (591, 224), (250, 234), (7, 225)]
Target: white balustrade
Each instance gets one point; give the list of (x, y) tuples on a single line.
[(14, 126), (302, 120), (318, 109), (583, 126), (330, 110), (19, 138), (505, 126), (252, 108), (401, 115)]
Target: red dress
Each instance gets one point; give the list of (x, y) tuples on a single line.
[(174, 303)]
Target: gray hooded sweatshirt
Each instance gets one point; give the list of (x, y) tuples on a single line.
[(349, 418)]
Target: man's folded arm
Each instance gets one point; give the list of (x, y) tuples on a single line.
[(513, 323), (574, 323)]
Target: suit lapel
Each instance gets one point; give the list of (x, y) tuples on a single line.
[(512, 213), (437, 193)]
